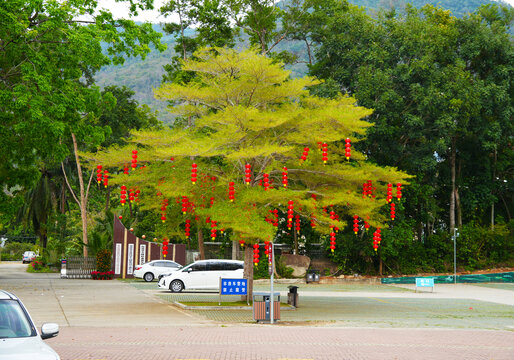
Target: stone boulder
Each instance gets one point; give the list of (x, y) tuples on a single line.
[(299, 263)]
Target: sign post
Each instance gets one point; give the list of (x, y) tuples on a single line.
[(270, 269)]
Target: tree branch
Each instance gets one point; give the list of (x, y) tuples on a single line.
[(69, 186)]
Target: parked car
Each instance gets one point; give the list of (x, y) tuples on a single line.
[(28, 256), (151, 270), (19, 337), (202, 274)]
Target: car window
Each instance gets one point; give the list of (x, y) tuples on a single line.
[(199, 267), (14, 321), (215, 266), (171, 264)]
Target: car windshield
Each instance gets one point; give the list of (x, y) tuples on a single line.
[(14, 322)]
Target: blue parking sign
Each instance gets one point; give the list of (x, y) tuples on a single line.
[(234, 287)]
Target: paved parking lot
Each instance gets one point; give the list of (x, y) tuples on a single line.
[(111, 320)]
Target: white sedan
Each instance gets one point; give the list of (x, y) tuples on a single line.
[(151, 270), (19, 338)]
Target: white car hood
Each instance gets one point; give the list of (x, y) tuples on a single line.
[(27, 348)]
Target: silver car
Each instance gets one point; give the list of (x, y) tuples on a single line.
[(19, 338)]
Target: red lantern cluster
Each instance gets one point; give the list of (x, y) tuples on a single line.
[(389, 196), (377, 237), (231, 191), (393, 211), (125, 169), (165, 247), (304, 154), (213, 229), (131, 195), (332, 215), (290, 211), (298, 224), (136, 195), (348, 148), (184, 204), (355, 224), (188, 228), (399, 191), (106, 178), (266, 250), (266, 181), (134, 159), (123, 195), (194, 173), (313, 221), (256, 254), (324, 153), (99, 174), (332, 241), (366, 225), (285, 181), (248, 174)]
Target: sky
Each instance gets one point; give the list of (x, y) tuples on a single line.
[(120, 10)]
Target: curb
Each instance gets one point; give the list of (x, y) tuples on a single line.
[(186, 307)]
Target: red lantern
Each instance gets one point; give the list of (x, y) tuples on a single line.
[(324, 148), (399, 191), (123, 195), (290, 211), (120, 217), (266, 251), (184, 204), (99, 174), (134, 159), (256, 254), (242, 243), (355, 224), (106, 178), (165, 247), (393, 211), (297, 217), (231, 191), (366, 225), (188, 228), (248, 174), (313, 221), (284, 177), (304, 154), (266, 181), (348, 148), (163, 218), (389, 196), (332, 215), (275, 214), (332, 241), (213, 230), (194, 169)]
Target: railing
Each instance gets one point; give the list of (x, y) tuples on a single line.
[(79, 267)]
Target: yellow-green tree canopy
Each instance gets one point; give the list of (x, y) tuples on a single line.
[(244, 108)]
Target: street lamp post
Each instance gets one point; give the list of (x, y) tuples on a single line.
[(455, 235)]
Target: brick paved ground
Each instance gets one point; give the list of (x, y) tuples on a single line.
[(111, 320)]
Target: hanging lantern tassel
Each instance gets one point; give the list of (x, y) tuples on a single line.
[(393, 211), (248, 174), (348, 148), (355, 224), (324, 153), (256, 254)]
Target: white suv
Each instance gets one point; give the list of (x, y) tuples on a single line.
[(28, 256), (20, 339), (151, 270), (202, 274)]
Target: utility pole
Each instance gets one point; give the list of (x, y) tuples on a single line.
[(455, 235)]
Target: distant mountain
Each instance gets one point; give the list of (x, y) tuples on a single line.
[(143, 75)]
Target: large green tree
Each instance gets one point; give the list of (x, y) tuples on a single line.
[(246, 110)]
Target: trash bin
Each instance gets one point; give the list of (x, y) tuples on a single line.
[(63, 269), (312, 276), (262, 306), (292, 295)]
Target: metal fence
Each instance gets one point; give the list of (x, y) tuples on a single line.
[(79, 267)]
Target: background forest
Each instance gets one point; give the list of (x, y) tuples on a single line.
[(439, 80)]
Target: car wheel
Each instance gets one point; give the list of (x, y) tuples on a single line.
[(148, 277), (176, 286)]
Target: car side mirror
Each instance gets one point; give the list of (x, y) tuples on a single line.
[(49, 330), (189, 270)]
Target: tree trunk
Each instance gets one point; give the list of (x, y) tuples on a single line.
[(380, 265), (453, 155), (108, 199), (295, 237), (248, 271), (82, 203), (235, 249), (459, 209), (201, 248)]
